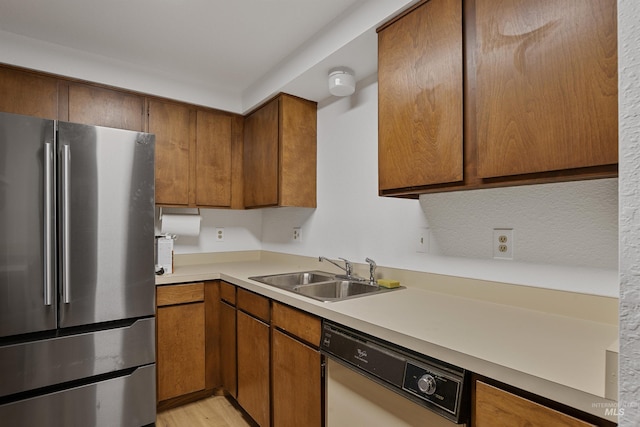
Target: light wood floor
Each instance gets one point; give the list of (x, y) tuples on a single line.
[(215, 411)]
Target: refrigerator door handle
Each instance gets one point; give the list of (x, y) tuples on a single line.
[(66, 203), (48, 222)]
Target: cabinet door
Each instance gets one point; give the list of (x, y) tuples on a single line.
[(297, 383), (228, 348), (213, 159), (253, 367), (172, 125), (261, 156), (181, 350), (297, 157), (97, 106), (498, 408), (26, 93), (546, 85), (420, 97)]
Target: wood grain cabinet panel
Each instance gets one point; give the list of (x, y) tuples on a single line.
[(296, 368), (420, 97), (280, 154), (261, 156), (228, 354), (546, 85), (228, 293), (253, 344), (92, 105), (213, 159), (480, 94), (302, 325), (181, 349), (498, 408), (188, 342), (254, 304), (26, 93), (179, 294), (174, 127), (197, 155), (297, 383)]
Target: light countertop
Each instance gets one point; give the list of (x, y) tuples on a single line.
[(549, 352)]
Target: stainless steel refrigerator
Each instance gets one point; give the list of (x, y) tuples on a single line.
[(77, 326)]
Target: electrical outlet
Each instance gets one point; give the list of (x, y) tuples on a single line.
[(219, 234), (503, 243), (422, 243), (297, 235)]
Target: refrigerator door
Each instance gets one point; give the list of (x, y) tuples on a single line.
[(106, 224), (27, 269)]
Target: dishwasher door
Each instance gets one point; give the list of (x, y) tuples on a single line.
[(353, 400)]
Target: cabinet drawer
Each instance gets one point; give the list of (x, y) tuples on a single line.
[(254, 304), (304, 326), (228, 293), (179, 294)]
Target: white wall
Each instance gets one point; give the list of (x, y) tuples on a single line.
[(629, 158), (565, 234), (242, 231)]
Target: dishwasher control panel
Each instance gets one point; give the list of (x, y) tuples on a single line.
[(432, 384)]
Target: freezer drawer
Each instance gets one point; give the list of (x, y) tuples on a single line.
[(127, 401), (35, 364)]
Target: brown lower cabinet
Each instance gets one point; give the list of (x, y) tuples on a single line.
[(253, 347), (228, 339), (496, 407), (265, 354), (296, 368), (181, 347), (186, 325), (270, 359)]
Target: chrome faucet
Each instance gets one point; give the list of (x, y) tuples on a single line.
[(348, 267), (372, 271)]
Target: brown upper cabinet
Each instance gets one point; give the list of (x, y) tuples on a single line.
[(547, 86), (213, 162), (195, 151), (420, 97), (539, 95), (174, 127), (30, 94), (280, 154), (204, 156), (98, 106)]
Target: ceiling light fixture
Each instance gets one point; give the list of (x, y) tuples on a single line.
[(341, 81)]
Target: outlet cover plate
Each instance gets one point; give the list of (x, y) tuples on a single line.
[(503, 243)]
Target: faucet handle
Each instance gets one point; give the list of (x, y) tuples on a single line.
[(348, 266), (372, 269)]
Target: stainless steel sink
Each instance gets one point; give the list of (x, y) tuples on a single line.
[(291, 280), (321, 286)]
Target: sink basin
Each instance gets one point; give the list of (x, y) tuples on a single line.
[(291, 280), (335, 290), (321, 286)]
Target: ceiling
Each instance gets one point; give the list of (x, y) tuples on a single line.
[(229, 45)]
